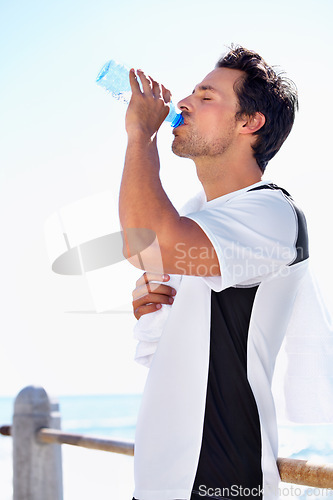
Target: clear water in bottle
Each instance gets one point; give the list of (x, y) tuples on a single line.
[(114, 78)]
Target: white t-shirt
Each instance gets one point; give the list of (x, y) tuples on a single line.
[(208, 396)]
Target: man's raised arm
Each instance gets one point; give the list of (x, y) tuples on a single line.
[(143, 202)]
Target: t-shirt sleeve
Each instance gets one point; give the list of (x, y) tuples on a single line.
[(253, 235)]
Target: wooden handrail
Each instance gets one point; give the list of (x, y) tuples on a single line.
[(305, 472), (302, 472), (92, 442)]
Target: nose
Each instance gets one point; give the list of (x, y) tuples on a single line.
[(185, 104)]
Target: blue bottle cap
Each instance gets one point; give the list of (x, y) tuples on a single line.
[(178, 120)]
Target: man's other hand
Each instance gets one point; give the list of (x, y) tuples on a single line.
[(150, 293)]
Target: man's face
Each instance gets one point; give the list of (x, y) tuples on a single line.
[(210, 125)]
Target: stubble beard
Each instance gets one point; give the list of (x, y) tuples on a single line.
[(194, 145)]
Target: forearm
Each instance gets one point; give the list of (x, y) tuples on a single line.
[(143, 202)]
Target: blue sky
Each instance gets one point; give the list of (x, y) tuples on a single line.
[(63, 139)]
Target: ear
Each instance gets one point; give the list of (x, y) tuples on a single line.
[(251, 124)]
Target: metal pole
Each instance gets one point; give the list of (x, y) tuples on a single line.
[(37, 468)]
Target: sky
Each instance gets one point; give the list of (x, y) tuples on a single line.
[(62, 146)]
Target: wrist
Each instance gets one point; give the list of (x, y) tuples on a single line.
[(141, 137), (140, 130)]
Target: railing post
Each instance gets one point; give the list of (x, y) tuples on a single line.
[(37, 468)]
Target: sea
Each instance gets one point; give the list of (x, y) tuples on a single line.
[(91, 474)]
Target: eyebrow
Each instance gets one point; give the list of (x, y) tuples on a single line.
[(205, 87)]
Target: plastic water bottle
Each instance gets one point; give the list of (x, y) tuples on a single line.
[(114, 77)]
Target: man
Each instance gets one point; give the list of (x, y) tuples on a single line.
[(207, 423)]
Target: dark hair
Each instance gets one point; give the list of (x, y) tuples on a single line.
[(265, 91)]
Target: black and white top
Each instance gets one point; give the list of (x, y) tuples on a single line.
[(207, 422)]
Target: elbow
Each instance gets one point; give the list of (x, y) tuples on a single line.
[(141, 249)]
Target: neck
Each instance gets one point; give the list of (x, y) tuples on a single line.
[(221, 177)]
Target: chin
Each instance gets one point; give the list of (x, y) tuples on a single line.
[(178, 151)]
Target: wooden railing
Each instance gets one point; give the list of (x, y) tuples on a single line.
[(38, 469), (55, 436)]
